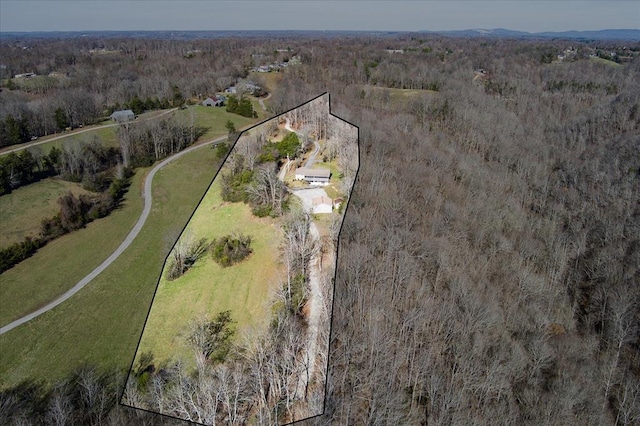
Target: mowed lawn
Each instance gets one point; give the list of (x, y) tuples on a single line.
[(101, 324), (24, 208), (214, 119), (245, 289), (63, 262)]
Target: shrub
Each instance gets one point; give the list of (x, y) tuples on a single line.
[(185, 255), (230, 249), (234, 184), (17, 252)]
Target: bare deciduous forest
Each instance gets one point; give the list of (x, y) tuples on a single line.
[(489, 260)]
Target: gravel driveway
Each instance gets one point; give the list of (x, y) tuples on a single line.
[(307, 195)]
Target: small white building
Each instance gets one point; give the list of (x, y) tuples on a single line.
[(26, 75), (215, 101), (322, 204), (313, 176)]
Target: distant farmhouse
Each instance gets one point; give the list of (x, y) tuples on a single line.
[(26, 75), (313, 176), (216, 101), (122, 116), (246, 86)]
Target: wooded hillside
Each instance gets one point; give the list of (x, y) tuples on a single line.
[(489, 260)]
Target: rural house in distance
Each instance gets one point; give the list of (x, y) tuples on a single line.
[(122, 116)]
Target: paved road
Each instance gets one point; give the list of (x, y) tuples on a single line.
[(79, 132), (147, 197), (148, 201)]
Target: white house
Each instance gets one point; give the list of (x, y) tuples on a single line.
[(26, 75), (313, 176), (214, 101), (322, 204)]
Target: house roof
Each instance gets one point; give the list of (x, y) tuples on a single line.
[(322, 200), (305, 171), (125, 113)]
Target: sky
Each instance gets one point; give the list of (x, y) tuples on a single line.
[(522, 15)]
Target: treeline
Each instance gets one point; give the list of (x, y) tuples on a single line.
[(89, 162), (242, 106), (78, 83), (141, 144), (23, 117), (88, 396), (138, 106), (24, 168), (75, 213), (101, 169), (252, 174)]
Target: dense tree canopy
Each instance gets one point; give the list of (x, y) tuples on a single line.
[(489, 257)]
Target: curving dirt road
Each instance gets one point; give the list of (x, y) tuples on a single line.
[(312, 157), (147, 197), (316, 304), (261, 101)]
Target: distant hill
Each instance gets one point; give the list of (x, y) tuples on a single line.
[(617, 34), (611, 34)]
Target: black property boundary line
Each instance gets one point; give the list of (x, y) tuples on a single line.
[(189, 220)]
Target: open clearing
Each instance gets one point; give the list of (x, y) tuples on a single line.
[(606, 62), (215, 118), (24, 208), (51, 271), (208, 288), (269, 80), (101, 325)]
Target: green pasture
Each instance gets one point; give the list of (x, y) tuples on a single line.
[(207, 288), (101, 324), (214, 119), (24, 208)]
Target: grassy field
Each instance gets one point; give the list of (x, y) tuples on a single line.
[(101, 325), (606, 62), (268, 80), (208, 288), (24, 208), (49, 273), (215, 118)]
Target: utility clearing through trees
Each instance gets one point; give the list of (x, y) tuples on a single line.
[(238, 330)]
